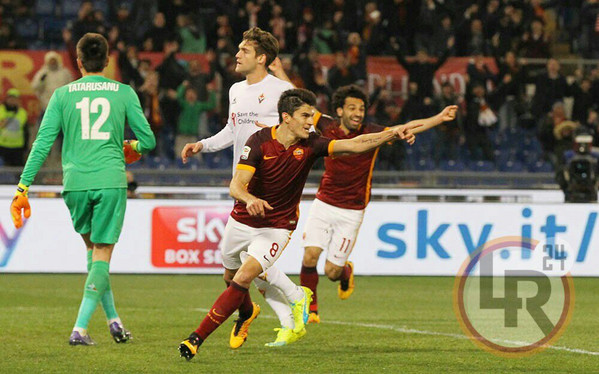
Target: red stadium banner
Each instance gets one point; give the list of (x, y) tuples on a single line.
[(17, 69), (188, 237)]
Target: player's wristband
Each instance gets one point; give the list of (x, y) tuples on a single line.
[(22, 189), (134, 144)]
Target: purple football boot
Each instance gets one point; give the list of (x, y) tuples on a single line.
[(119, 333), (77, 339)]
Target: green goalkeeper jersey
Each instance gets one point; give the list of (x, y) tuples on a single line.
[(91, 113)]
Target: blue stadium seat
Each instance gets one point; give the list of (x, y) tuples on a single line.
[(482, 166), (452, 165), (28, 29), (1, 161), (70, 8), (158, 162), (540, 166), (424, 164), (45, 8), (103, 6), (53, 29), (511, 166)]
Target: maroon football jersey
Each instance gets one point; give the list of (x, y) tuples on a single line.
[(347, 179), (279, 176)]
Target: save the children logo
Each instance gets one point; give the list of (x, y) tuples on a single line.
[(515, 308)]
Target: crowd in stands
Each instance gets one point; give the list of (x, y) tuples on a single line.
[(501, 125)]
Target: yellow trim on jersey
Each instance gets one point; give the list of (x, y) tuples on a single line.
[(331, 144), (369, 183), (273, 132), (246, 167), (317, 116)]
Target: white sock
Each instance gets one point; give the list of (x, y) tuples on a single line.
[(80, 330), (277, 278), (117, 320), (277, 302)]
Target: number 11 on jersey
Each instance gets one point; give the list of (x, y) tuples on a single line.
[(86, 109)]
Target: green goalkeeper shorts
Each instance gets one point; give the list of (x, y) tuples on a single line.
[(99, 212)]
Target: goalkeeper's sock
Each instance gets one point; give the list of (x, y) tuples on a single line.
[(277, 278), (95, 286), (309, 278), (277, 302), (107, 299)]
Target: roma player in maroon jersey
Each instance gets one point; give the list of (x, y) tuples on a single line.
[(337, 212), (267, 187)]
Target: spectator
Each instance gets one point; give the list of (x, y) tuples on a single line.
[(198, 79), (479, 118), (88, 20), (478, 71), (535, 43), (325, 39), (477, 43), (129, 63), (590, 33), (441, 37), (13, 121), (157, 35), (373, 31), (583, 100), (193, 38), (171, 74), (50, 76), (356, 53), (278, 25), (511, 73), (423, 69), (340, 74), (556, 134), (150, 103), (189, 126), (449, 136), (550, 87)]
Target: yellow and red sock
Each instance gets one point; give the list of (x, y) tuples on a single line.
[(227, 303)]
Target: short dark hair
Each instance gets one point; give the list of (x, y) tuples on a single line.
[(264, 43), (344, 92), (292, 99), (92, 50)]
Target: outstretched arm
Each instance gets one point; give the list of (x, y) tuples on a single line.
[(447, 114), (367, 142)]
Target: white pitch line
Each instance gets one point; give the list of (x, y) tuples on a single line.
[(406, 330)]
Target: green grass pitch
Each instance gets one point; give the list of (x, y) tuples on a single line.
[(390, 324)]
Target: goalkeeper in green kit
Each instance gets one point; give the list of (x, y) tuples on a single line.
[(91, 113)]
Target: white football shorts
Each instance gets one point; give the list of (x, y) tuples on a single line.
[(333, 229), (264, 244)]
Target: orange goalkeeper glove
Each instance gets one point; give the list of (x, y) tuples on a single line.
[(130, 151), (20, 202)]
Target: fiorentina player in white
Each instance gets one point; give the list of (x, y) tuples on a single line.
[(253, 105)]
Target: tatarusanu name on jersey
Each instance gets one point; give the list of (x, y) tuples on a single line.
[(94, 86)]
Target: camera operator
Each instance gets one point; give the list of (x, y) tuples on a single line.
[(578, 178)]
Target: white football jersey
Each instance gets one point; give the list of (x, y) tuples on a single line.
[(248, 104)]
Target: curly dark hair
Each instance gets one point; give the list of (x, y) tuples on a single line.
[(344, 92), (292, 99)]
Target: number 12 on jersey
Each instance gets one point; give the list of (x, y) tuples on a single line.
[(86, 108)]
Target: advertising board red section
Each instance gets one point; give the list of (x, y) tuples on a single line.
[(188, 237)]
